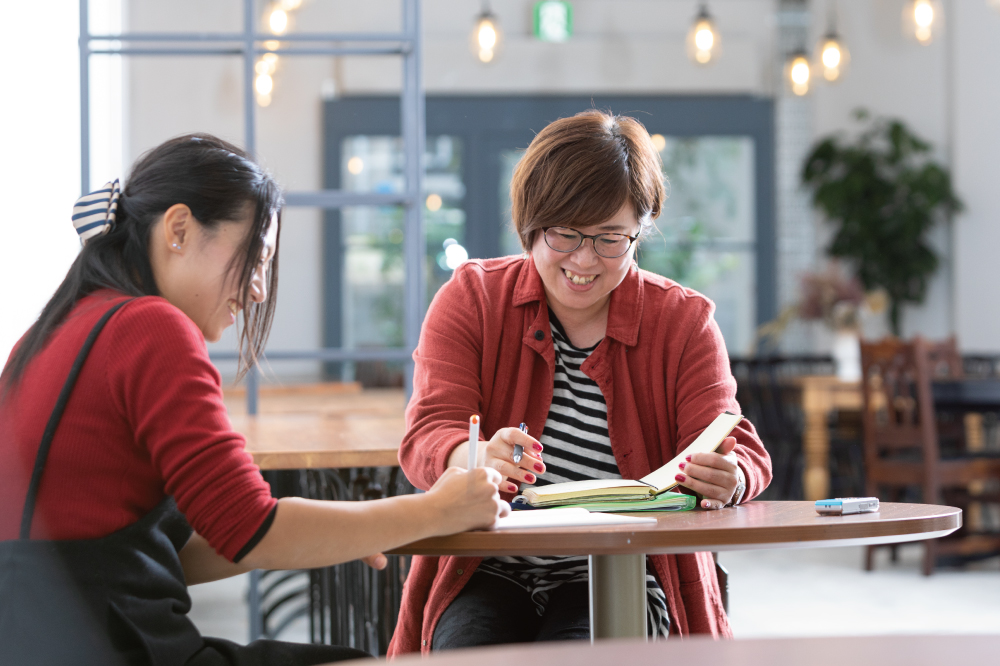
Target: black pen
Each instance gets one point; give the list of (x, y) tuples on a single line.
[(518, 449)]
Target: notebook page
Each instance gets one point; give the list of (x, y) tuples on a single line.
[(709, 440)]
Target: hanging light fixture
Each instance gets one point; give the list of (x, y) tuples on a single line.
[(264, 81), (798, 73), (277, 19), (919, 19), (703, 38), (486, 37), (833, 54)]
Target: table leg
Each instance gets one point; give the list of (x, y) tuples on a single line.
[(253, 600), (617, 596), (815, 445)]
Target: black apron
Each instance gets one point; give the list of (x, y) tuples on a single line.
[(116, 600)]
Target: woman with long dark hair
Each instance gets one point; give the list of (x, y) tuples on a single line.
[(121, 479)]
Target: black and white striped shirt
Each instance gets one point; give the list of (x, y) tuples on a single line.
[(577, 447)]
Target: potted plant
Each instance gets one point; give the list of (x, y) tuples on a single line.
[(884, 193), (835, 302)]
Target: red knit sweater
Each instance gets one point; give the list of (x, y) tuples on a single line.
[(662, 367), (145, 420)]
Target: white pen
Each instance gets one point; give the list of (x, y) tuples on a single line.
[(473, 440)]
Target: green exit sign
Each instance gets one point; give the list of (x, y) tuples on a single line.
[(553, 20)]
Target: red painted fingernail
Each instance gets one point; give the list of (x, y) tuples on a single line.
[(706, 504), (539, 468), (682, 465), (511, 487), (688, 459), (680, 477), (538, 447), (530, 478)]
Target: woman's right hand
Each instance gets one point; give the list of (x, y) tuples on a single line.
[(466, 500), (498, 454)]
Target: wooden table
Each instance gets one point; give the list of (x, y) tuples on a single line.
[(617, 553), (834, 651), (331, 426), (321, 427), (821, 394)]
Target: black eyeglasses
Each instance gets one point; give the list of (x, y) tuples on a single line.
[(609, 246)]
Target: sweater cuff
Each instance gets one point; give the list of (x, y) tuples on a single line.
[(257, 536), (442, 455)]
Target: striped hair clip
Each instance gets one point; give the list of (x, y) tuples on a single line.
[(94, 213)]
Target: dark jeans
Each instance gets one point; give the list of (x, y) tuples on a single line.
[(491, 610)]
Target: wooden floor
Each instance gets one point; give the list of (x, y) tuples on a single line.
[(332, 425)]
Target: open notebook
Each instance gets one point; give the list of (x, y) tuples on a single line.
[(658, 503), (626, 490)]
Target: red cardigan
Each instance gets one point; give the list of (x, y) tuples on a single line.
[(663, 370), (145, 420)]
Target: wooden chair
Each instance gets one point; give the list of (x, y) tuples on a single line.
[(902, 437)]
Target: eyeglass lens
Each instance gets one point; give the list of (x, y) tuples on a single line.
[(564, 239)]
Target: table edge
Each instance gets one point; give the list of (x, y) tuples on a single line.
[(580, 541)]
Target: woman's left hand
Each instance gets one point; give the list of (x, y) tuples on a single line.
[(376, 561), (714, 476)]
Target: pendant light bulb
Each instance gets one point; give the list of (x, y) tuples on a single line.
[(486, 38), (833, 57), (703, 38), (798, 74), (278, 21), (920, 18)]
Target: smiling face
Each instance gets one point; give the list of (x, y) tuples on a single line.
[(197, 268), (578, 284)]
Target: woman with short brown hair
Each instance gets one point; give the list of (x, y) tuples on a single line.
[(614, 368)]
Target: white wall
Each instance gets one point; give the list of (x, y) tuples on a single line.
[(977, 175), (39, 172), (633, 46)]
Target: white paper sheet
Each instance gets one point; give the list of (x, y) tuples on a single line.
[(575, 517)]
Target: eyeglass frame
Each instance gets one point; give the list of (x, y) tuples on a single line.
[(593, 241)]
